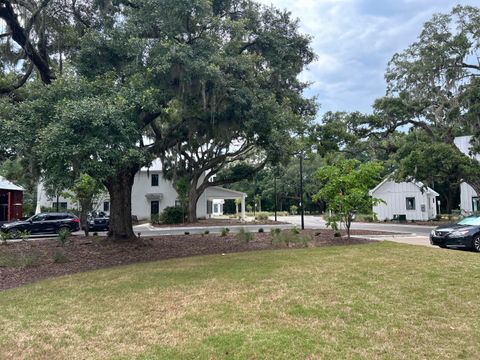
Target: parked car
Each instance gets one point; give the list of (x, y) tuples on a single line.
[(463, 234), (43, 223), (98, 221)]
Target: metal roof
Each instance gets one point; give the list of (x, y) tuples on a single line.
[(7, 185)]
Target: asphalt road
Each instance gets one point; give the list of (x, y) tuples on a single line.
[(316, 222), (311, 222)]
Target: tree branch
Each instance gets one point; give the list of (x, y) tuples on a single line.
[(7, 90)]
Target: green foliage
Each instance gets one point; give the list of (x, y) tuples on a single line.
[(24, 235), (293, 210), (59, 257), (21, 260), (63, 236), (288, 238), (4, 236), (345, 187), (244, 236), (155, 219), (224, 232), (262, 216), (366, 218), (172, 215)]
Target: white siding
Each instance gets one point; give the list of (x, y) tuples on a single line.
[(142, 185), (143, 193), (466, 196), (466, 191), (395, 194)]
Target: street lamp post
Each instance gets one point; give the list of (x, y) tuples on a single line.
[(275, 190), (302, 207)]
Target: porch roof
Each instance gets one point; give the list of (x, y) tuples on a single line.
[(7, 185), (218, 192)]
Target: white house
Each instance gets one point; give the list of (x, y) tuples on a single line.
[(404, 200), (469, 199), (151, 194)]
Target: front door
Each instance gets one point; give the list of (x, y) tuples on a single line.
[(154, 207)]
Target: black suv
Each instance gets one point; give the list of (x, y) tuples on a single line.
[(463, 234), (43, 223)]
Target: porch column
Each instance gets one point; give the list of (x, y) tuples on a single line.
[(9, 206), (243, 208)]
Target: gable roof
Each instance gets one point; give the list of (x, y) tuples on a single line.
[(463, 143), (419, 184), (7, 185)]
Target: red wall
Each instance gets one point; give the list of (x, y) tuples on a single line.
[(16, 197)]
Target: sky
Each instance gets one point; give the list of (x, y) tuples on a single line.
[(354, 41)]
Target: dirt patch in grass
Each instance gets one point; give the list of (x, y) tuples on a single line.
[(26, 262)]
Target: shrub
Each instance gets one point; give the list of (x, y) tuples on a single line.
[(63, 236), (366, 217), (337, 234), (225, 231), (20, 260), (261, 230), (59, 257), (261, 216), (295, 231), (155, 219), (25, 235), (4, 236), (206, 232), (293, 210), (172, 215), (244, 236), (289, 237)]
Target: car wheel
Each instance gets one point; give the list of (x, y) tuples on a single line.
[(476, 243), (63, 228), (14, 233)]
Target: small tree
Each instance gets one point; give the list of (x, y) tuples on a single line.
[(345, 188), (85, 190)]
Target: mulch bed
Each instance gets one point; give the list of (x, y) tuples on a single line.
[(89, 253)]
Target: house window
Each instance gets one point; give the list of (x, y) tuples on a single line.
[(475, 204), (61, 205), (106, 206), (154, 179), (154, 208), (410, 203)]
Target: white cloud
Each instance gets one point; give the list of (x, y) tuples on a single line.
[(354, 40)]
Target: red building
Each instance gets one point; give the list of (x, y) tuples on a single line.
[(11, 201)]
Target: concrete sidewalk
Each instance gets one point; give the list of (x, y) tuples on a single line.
[(149, 230), (411, 239)]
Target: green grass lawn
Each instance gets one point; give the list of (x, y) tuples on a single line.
[(376, 301)]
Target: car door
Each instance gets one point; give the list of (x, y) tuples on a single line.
[(50, 224), (37, 224)]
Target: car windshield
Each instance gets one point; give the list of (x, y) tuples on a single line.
[(472, 220)]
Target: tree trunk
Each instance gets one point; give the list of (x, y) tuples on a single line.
[(120, 190), (193, 196), (475, 184), (85, 207)]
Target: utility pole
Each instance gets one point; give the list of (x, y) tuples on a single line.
[(302, 207), (275, 190)]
